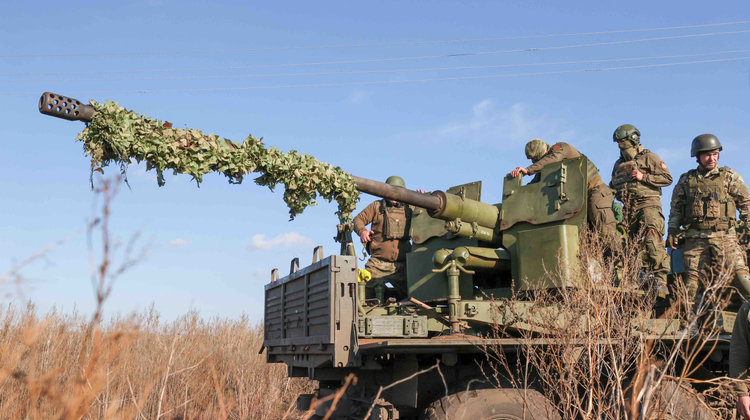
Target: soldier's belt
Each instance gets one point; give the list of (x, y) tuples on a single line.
[(708, 233)]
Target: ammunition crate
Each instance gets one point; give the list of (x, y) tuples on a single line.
[(311, 315)]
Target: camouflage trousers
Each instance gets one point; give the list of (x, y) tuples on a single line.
[(706, 258), (393, 272), (649, 222), (600, 214)]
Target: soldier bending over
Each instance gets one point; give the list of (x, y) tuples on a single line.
[(600, 197)]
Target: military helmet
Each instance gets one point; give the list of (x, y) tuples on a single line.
[(627, 132), (395, 181), (704, 143), (535, 149)]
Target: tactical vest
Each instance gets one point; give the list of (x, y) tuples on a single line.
[(632, 188), (396, 221), (707, 205)]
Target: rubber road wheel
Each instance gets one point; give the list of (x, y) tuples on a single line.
[(492, 404)]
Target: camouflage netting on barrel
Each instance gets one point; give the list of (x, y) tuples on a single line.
[(116, 135)]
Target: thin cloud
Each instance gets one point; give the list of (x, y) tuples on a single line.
[(285, 240), (358, 96), (182, 243), (514, 125), (673, 154), (139, 171)]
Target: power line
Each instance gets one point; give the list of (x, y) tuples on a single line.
[(373, 45), (383, 82), (374, 71), (380, 60)]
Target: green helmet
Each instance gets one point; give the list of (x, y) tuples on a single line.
[(395, 181), (704, 143), (535, 149), (627, 132)]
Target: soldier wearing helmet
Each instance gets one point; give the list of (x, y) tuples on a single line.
[(705, 202), (387, 242), (637, 178), (600, 197)]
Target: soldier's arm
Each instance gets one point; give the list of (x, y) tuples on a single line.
[(739, 353), (555, 154), (365, 217), (656, 173), (737, 189), (678, 203)]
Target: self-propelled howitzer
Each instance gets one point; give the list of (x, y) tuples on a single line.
[(465, 254)]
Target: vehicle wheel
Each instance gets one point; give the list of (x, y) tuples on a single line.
[(677, 403), (492, 404)]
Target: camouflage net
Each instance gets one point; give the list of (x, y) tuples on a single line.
[(116, 135)]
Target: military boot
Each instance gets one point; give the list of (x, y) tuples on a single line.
[(660, 284)]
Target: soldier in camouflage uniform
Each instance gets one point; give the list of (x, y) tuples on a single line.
[(705, 202), (600, 197), (637, 178), (387, 242)]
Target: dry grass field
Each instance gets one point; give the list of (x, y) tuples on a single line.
[(71, 366), (64, 366)]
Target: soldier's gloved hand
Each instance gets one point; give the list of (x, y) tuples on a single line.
[(672, 240), (743, 232), (744, 236)]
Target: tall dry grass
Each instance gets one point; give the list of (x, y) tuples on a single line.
[(68, 366), (595, 351), (140, 367)]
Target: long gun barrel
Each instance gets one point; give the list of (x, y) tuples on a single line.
[(466, 217), (383, 190), (65, 107)]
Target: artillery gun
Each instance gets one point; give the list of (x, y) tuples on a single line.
[(473, 271)]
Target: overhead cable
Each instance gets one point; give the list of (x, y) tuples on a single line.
[(380, 60), (372, 45), (244, 76), (383, 82)]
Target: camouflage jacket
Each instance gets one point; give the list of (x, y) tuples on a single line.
[(734, 188), (563, 151), (640, 194)]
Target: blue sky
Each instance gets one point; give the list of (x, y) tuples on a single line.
[(212, 248)]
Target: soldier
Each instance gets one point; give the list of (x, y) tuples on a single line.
[(387, 242), (739, 359), (600, 197), (705, 202), (637, 178)]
